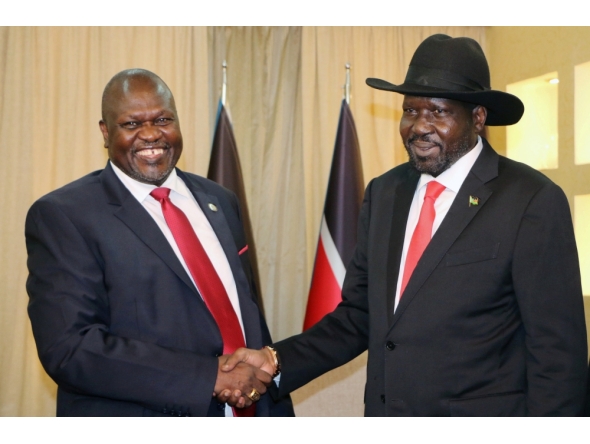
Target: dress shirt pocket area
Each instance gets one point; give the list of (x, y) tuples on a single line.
[(498, 404), (481, 253)]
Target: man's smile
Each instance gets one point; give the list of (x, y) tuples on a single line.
[(150, 153), (423, 147)]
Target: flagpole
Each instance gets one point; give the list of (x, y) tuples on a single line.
[(225, 169), (337, 239), (347, 84), (224, 84)]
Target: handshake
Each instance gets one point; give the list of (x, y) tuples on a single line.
[(244, 375)]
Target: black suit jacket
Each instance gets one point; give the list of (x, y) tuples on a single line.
[(118, 323), (492, 320)]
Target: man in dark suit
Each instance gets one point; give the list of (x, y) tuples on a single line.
[(126, 317), (465, 283)]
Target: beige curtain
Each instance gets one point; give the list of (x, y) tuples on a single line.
[(264, 96), (284, 91)]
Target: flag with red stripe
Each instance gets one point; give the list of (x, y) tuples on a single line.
[(226, 170), (338, 229)]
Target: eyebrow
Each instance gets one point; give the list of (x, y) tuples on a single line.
[(136, 116)]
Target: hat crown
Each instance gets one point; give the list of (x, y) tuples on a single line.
[(456, 69), (452, 63)]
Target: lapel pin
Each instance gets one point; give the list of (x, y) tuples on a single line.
[(212, 207), (473, 201)]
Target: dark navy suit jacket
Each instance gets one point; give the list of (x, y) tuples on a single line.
[(118, 323)]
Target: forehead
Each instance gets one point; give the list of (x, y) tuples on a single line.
[(134, 95), (433, 102)]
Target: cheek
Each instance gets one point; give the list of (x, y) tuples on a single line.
[(446, 132), (125, 141), (173, 136), (404, 128), (121, 146)]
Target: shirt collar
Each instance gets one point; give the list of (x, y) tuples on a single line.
[(141, 190), (454, 177)]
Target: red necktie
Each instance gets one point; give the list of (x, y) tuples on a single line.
[(208, 283), (422, 232)]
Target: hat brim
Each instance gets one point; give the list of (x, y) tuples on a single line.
[(503, 108)]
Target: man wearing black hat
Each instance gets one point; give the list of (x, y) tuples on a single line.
[(465, 283)]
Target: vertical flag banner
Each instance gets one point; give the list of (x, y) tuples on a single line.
[(337, 238), (225, 169)]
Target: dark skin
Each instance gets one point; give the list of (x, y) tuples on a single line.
[(142, 135), (230, 387), (438, 132), (141, 129)]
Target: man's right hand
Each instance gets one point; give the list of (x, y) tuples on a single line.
[(262, 359), (233, 385)]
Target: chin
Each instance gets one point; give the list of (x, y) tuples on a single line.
[(428, 165), (152, 177)]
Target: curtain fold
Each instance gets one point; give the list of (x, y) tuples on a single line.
[(264, 96)]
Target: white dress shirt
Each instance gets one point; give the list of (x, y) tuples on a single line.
[(183, 199), (452, 179)]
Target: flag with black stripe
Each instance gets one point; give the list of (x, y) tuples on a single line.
[(226, 170), (337, 238)]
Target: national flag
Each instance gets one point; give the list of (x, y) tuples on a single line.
[(226, 170), (338, 229)]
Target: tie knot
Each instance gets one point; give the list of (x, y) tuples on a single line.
[(433, 189), (160, 194)]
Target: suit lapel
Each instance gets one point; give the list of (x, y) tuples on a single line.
[(132, 214), (401, 207), (218, 221), (457, 219)]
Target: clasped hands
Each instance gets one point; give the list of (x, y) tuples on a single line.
[(243, 376)]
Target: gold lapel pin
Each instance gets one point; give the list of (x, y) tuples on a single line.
[(473, 200), (212, 207)]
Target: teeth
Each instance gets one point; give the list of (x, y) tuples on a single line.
[(150, 152)]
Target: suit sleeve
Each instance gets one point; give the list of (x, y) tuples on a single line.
[(341, 335), (547, 285), (277, 405), (70, 315)]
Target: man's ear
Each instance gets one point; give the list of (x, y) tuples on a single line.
[(479, 115), (105, 132)]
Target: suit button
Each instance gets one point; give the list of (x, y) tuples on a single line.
[(383, 399), (389, 345), (220, 407)]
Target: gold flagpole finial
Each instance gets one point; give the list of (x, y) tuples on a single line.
[(347, 84), (224, 84)]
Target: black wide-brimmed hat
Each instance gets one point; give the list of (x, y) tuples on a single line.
[(455, 68)]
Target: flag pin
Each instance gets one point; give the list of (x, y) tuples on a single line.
[(473, 200), (214, 208)]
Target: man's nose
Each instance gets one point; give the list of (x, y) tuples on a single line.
[(149, 132), (422, 124)]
